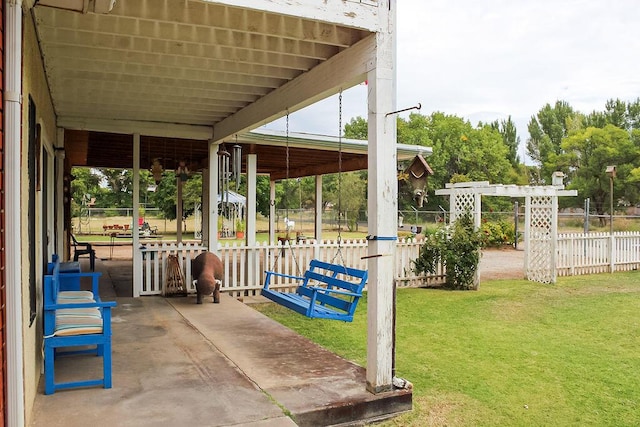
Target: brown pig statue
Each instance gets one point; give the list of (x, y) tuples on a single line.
[(206, 270)]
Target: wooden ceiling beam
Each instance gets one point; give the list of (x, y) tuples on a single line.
[(359, 163), (341, 71), (361, 14)]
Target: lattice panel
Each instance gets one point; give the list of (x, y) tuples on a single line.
[(541, 244), (462, 201)]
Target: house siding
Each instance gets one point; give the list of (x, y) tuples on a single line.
[(35, 87)]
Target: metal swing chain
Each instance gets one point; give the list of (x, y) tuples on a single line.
[(287, 181), (287, 240), (278, 253), (339, 252)]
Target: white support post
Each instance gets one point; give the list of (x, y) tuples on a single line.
[(318, 217), (382, 204), (318, 209), (272, 212), (213, 197), (251, 228), (178, 209), (206, 202), (477, 217), (553, 263), (527, 236), (252, 182), (59, 193), (135, 229), (612, 253), (477, 223), (13, 225)]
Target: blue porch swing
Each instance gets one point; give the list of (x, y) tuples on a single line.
[(325, 290)]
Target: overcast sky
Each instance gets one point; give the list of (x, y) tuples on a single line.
[(486, 60)]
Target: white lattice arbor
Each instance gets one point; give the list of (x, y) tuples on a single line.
[(541, 219)]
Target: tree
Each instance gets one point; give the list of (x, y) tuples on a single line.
[(510, 138), (85, 183), (263, 191), (350, 198), (586, 155), (120, 182), (357, 128), (618, 113), (165, 196), (458, 148), (546, 131)]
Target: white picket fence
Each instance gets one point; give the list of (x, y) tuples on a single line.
[(244, 266), (593, 253)]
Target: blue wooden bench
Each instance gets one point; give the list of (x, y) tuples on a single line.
[(75, 322), (326, 291)]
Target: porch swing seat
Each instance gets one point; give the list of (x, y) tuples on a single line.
[(325, 291)]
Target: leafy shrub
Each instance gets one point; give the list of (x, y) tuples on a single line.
[(498, 233), (457, 248)]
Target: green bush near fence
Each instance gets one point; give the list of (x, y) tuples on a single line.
[(498, 233), (457, 248)]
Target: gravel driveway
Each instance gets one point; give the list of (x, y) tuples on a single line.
[(507, 263)]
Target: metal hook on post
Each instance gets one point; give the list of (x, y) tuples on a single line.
[(417, 107)]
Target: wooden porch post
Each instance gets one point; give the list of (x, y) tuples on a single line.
[(318, 209), (135, 229), (527, 236), (213, 197), (205, 207), (250, 212), (318, 218), (59, 193), (178, 209), (382, 205)]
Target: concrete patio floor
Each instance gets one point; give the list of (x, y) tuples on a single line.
[(179, 363)]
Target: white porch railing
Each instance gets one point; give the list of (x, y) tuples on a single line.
[(597, 253), (244, 266)]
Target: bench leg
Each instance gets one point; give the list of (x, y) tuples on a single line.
[(106, 364), (49, 375)]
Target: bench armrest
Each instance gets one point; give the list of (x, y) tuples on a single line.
[(97, 304), (334, 291), (267, 280)]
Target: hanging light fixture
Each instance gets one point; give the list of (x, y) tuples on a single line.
[(156, 170), (182, 171), (237, 163), (223, 173)]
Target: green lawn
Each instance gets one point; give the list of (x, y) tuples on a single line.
[(512, 353)]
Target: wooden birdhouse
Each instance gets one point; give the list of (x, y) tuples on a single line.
[(417, 174)]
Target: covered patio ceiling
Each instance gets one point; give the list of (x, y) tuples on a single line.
[(182, 73), (308, 154)]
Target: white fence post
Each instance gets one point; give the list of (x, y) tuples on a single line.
[(594, 253), (612, 252)]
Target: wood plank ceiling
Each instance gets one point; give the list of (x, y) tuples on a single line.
[(177, 62)]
